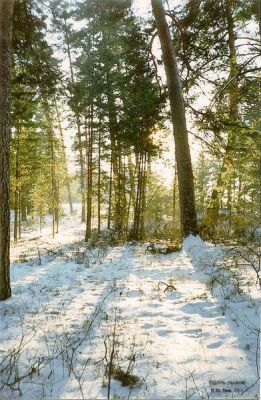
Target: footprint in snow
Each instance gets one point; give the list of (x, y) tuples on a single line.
[(80, 290), (148, 314), (192, 332), (215, 345), (135, 293), (148, 326), (183, 318), (172, 315), (163, 332), (197, 307), (223, 358), (154, 305)]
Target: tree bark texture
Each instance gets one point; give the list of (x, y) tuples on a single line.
[(6, 15), (182, 151)]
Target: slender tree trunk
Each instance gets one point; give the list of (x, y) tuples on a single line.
[(54, 183), (28, 207), (23, 205), (15, 215), (68, 187), (91, 137), (99, 183), (174, 198), (6, 15), (86, 147), (57, 191), (132, 174), (259, 183), (143, 197), (182, 152), (82, 185), (78, 123), (16, 191), (119, 192), (125, 216), (115, 160), (19, 214), (137, 210), (110, 194), (52, 189), (89, 149)]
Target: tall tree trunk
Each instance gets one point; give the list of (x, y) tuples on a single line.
[(54, 183), (99, 182), (19, 214), (68, 187), (124, 207), (15, 215), (16, 191), (6, 15), (259, 182), (52, 187), (174, 198), (78, 123), (56, 209), (119, 191), (182, 152), (212, 213), (132, 174), (115, 162), (23, 204), (137, 209), (110, 194), (90, 175), (143, 197), (82, 185), (89, 156)]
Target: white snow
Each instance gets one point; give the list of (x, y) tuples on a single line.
[(180, 343), (193, 244)]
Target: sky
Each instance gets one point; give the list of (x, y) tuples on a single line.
[(142, 7)]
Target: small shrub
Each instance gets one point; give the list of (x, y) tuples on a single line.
[(125, 377)]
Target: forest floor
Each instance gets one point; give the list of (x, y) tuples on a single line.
[(108, 322)]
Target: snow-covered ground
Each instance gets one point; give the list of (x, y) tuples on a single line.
[(77, 321)]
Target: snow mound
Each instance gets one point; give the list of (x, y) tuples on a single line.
[(193, 244)]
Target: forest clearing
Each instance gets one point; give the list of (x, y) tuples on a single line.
[(68, 312), (130, 199)]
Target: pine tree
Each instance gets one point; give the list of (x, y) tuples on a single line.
[(182, 151), (36, 151), (116, 86), (212, 54)]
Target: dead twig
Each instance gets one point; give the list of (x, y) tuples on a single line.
[(168, 286)]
